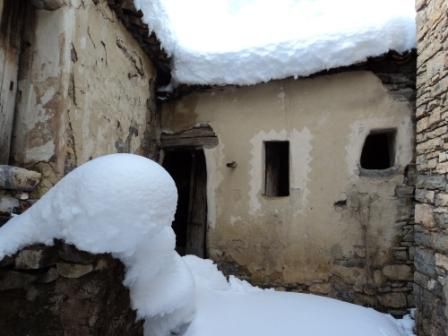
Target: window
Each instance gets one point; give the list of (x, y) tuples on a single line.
[(378, 151), (276, 177)]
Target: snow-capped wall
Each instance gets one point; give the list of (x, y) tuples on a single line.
[(122, 204), (253, 41)]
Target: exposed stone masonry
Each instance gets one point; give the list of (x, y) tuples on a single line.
[(60, 291), (431, 210)]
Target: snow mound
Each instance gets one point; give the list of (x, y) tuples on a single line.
[(251, 41), (241, 310), (123, 204)]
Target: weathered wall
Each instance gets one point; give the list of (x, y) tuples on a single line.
[(431, 211), (338, 233), (85, 89)]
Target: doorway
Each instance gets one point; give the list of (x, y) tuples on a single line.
[(188, 169)]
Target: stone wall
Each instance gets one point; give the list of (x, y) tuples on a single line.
[(86, 88), (431, 211), (60, 291)]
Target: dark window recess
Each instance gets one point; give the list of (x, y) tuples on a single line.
[(276, 177), (378, 151)]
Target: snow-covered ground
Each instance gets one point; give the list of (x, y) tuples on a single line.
[(124, 204), (236, 308), (253, 41)]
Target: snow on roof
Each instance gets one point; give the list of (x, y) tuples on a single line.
[(251, 41)]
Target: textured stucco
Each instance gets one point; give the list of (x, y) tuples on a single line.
[(86, 89), (305, 240)]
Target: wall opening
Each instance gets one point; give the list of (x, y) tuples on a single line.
[(188, 169), (378, 151), (276, 177)]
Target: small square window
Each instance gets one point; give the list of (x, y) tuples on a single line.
[(276, 177), (378, 151)]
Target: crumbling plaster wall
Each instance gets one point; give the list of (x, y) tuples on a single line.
[(85, 89), (431, 210), (338, 233)]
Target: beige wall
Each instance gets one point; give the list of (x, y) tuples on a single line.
[(304, 240), (86, 89)]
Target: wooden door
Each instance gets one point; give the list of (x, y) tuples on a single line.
[(188, 169)]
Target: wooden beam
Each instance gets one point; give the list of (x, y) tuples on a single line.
[(196, 137)]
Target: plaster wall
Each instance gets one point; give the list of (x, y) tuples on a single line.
[(338, 233), (85, 89)]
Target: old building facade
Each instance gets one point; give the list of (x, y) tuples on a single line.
[(280, 183), (290, 202)]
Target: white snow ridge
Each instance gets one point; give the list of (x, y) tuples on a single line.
[(123, 204), (251, 41)]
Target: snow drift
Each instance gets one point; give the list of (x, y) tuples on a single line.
[(124, 204), (253, 41)]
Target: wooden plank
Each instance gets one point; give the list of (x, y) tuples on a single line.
[(11, 15), (201, 136), (197, 217)]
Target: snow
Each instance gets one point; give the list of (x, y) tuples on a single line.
[(236, 308), (251, 41), (124, 204)]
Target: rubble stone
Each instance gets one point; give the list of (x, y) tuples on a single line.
[(79, 302), (20, 179)]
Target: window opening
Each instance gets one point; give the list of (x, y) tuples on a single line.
[(378, 151), (276, 168)]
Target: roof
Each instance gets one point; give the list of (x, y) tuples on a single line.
[(251, 41)]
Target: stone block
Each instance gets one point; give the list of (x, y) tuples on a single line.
[(73, 271), (15, 178), (424, 215), (423, 238), (443, 157), (424, 261), (442, 261), (400, 255), (442, 168), (404, 191), (320, 288), (431, 182), (441, 219), (424, 196), (71, 254), (441, 199), (8, 203), (440, 241), (393, 300), (34, 258), (398, 272)]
